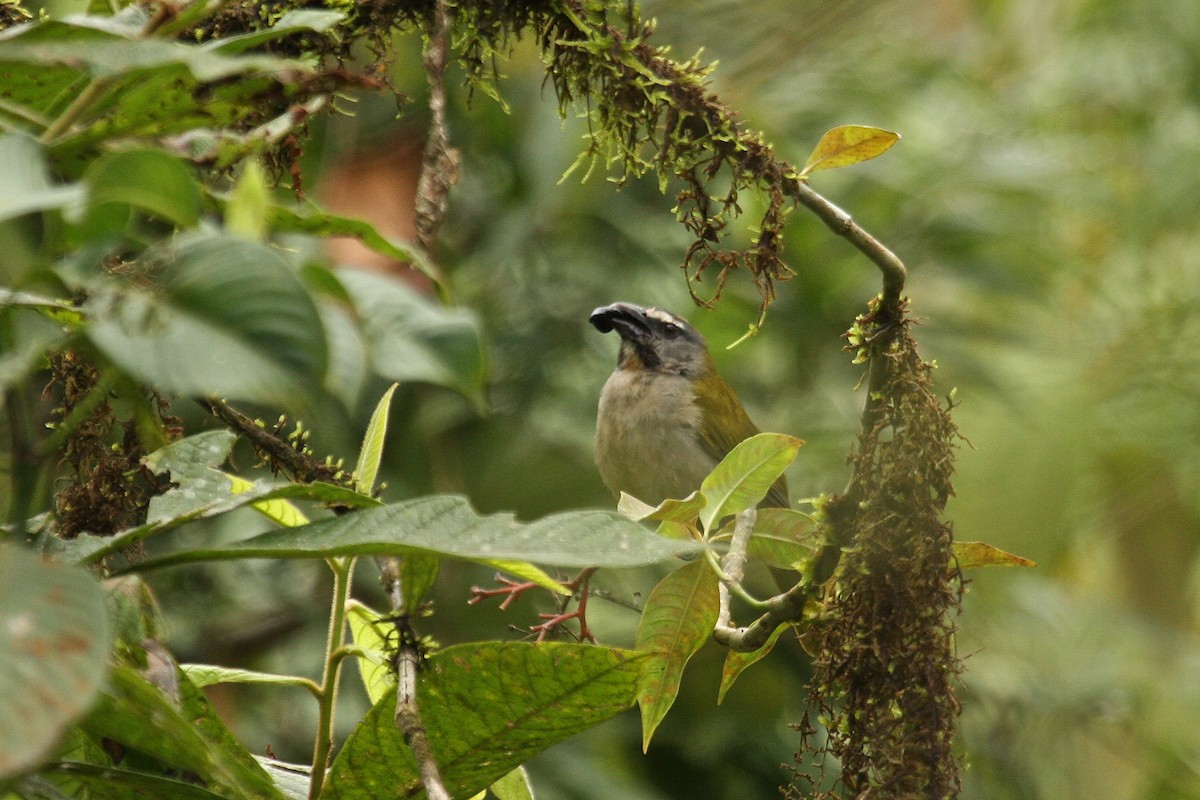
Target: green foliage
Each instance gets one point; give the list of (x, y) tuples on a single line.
[(46, 610), (488, 708)]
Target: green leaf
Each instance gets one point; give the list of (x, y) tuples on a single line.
[(848, 144), (446, 525), (54, 641), (230, 320), (26, 179), (111, 783), (149, 180), (370, 453), (316, 20), (679, 617), (367, 631), (970, 555), (418, 574), (139, 716), (513, 786), (736, 663), (745, 475), (324, 224), (782, 538), (247, 213), (210, 675), (412, 338), (487, 708)]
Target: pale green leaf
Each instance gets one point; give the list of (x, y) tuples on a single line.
[(745, 475), (368, 631), (736, 663), (370, 453), (679, 617)]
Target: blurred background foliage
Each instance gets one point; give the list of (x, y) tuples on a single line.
[(1044, 199)]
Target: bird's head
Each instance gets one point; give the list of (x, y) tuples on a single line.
[(654, 340)]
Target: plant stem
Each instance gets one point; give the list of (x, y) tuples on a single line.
[(334, 653), (90, 94)]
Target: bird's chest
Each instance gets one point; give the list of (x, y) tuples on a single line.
[(647, 436)]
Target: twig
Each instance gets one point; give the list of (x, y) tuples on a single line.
[(733, 565), (439, 164), (408, 715), (299, 465)]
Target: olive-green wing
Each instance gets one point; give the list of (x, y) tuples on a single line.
[(718, 403)]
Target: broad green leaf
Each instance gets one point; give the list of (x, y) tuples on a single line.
[(513, 786), (679, 617), (370, 453), (230, 319), (26, 179), (848, 144), (115, 783), (736, 663), (139, 716), (745, 475), (487, 708), (418, 574), (282, 512), (54, 642), (323, 224), (412, 338), (981, 554), (149, 87), (149, 180), (195, 505), (247, 213), (669, 510), (782, 538), (316, 20), (446, 525), (210, 675), (369, 632)]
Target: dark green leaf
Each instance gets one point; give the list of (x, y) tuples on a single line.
[(412, 338), (140, 717), (232, 320), (149, 180), (54, 641), (487, 708), (446, 525)]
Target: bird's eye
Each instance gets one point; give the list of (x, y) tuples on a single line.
[(672, 330)]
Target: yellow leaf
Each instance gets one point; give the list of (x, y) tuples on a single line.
[(848, 144), (982, 554)]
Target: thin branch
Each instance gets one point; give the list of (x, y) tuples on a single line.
[(733, 565), (439, 164), (343, 570), (299, 465), (408, 715)]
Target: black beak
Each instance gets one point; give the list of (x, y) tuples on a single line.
[(628, 320)]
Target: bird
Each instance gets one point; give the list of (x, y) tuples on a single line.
[(666, 416)]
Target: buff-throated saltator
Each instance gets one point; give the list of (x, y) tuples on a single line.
[(666, 416)]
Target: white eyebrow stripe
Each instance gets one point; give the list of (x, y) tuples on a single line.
[(664, 316)]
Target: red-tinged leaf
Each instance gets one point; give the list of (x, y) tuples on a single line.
[(981, 554), (678, 619), (848, 144), (736, 663)]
